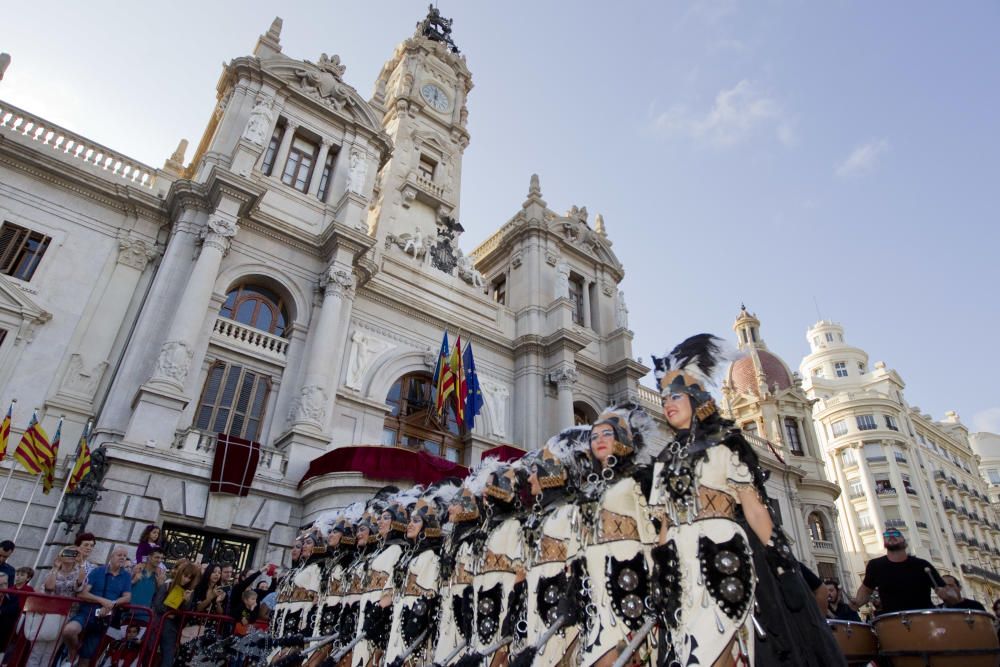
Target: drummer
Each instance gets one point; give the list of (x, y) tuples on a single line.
[(954, 598), (904, 582)]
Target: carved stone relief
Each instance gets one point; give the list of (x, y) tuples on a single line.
[(81, 380), (365, 349), (562, 280), (621, 311), (310, 405), (496, 396), (173, 363), (135, 253), (260, 121)]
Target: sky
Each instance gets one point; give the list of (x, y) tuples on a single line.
[(834, 160)]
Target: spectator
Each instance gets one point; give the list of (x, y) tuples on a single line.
[(174, 597), (210, 597), (836, 608), (108, 586), (953, 598), (149, 540), (247, 611), (8, 613), (227, 575), (125, 652), (147, 579), (85, 543), (6, 549), (237, 598), (67, 578), (267, 605)]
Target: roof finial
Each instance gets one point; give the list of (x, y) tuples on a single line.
[(269, 43), (274, 32), (599, 225)]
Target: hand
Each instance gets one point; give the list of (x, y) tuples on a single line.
[(187, 595)]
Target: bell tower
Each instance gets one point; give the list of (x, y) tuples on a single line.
[(422, 91)]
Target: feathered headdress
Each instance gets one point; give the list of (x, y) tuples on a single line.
[(690, 369), (432, 507), (559, 462), (631, 423), (400, 505)]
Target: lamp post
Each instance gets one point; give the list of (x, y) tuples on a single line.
[(78, 503)]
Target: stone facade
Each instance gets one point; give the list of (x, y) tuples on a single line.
[(344, 212), (898, 468)]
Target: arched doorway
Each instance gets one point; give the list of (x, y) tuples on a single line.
[(583, 414), (413, 422)]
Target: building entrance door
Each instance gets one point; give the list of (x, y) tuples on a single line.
[(206, 547)]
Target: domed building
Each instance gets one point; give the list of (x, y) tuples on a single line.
[(766, 400)]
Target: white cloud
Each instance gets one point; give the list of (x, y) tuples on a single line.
[(863, 158), (734, 115), (987, 420)]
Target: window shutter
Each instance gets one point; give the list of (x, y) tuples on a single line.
[(211, 393)]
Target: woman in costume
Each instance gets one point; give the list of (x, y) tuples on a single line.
[(552, 540), (462, 548), (366, 544), (618, 534), (712, 486), (416, 603), (378, 587), (501, 565)]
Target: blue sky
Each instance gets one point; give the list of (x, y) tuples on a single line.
[(805, 158)]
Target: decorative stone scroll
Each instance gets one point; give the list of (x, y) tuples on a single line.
[(564, 377), (135, 253), (339, 282)]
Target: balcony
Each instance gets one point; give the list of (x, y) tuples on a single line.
[(876, 459), (895, 523), (963, 488), (241, 338), (982, 573), (939, 476), (961, 538), (949, 505), (952, 481), (885, 491), (822, 545), (910, 490), (859, 493), (964, 512), (199, 447), (922, 524)]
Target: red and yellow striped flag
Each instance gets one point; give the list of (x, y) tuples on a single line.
[(35, 453), (5, 431), (82, 466)]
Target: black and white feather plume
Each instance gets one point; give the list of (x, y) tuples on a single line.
[(699, 357)]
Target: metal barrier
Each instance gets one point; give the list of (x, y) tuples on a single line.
[(38, 639)]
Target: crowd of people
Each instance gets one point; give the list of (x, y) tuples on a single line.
[(598, 549)]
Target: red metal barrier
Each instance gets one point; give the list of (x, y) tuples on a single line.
[(38, 640)]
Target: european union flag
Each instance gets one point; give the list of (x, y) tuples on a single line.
[(474, 397)]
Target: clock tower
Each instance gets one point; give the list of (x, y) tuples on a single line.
[(421, 92)]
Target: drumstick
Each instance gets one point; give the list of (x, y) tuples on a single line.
[(934, 583)]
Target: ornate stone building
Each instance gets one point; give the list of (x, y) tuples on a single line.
[(898, 467), (287, 287), (765, 398)]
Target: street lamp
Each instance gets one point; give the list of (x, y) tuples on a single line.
[(78, 503)]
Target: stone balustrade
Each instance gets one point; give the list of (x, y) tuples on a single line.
[(824, 545), (247, 339), (431, 187), (651, 396), (69, 145), (199, 447)]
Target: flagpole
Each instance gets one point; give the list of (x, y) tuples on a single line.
[(24, 514), (70, 464)]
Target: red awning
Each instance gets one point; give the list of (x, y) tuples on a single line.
[(504, 453), (385, 463)]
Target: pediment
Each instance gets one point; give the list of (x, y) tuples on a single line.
[(322, 83), (574, 230), (18, 309)]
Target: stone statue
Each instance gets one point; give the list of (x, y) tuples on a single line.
[(358, 172), (414, 243), (621, 311), (326, 82), (310, 405), (173, 363), (331, 65), (364, 350), (562, 280), (496, 396), (260, 122), (468, 272)]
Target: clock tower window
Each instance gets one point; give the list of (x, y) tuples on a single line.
[(426, 167)]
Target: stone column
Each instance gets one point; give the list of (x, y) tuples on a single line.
[(319, 384), (587, 322), (564, 378), (849, 516), (283, 148), (868, 483), (895, 474), (317, 175), (174, 360)]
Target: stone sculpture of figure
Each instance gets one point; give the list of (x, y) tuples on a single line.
[(496, 400), (621, 311), (414, 243), (260, 122), (364, 350), (468, 272), (562, 280), (358, 173)]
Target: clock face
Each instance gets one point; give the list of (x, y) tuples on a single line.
[(435, 97)]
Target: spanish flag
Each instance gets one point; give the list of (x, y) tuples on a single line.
[(36, 454), (5, 431), (82, 466)]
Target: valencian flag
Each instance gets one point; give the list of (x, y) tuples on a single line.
[(450, 381), (5, 431), (35, 453), (439, 371), (474, 395), (82, 466)]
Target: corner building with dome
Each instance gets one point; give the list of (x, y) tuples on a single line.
[(284, 292)]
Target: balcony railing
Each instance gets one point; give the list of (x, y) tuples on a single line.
[(940, 476), (199, 446), (824, 545), (983, 573), (949, 505), (72, 146), (921, 524), (895, 523), (247, 339), (885, 491)]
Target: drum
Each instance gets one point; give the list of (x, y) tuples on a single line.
[(856, 641), (938, 637)]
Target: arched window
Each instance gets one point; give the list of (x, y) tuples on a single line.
[(413, 422), (817, 527), (256, 307), (583, 414)]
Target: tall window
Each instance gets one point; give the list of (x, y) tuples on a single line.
[(21, 250), (426, 167), (500, 290), (841, 368), (267, 166), (413, 422), (855, 489), (817, 527), (873, 451), (299, 166), (576, 298), (839, 428), (324, 179), (866, 422), (750, 427), (829, 337), (257, 307), (792, 432), (861, 367), (994, 475), (848, 457), (890, 423), (864, 520), (233, 401)]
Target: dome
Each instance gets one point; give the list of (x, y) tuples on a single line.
[(743, 373)]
